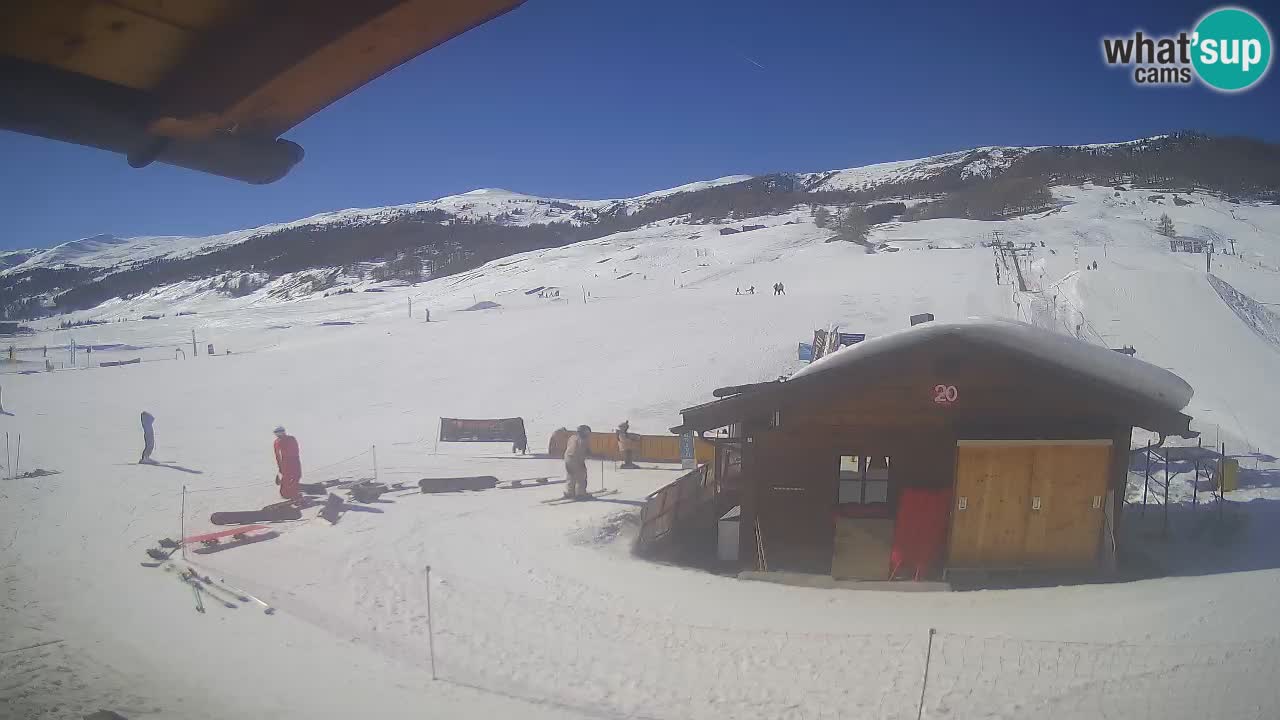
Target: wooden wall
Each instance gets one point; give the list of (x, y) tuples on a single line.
[(791, 476), (1000, 525), (653, 448)]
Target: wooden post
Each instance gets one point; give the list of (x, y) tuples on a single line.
[(431, 633), (374, 450), (182, 523), (1164, 530), (1146, 480), (924, 684), (1222, 492), (194, 351), (1195, 486)]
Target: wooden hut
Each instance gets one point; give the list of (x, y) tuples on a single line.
[(978, 445)]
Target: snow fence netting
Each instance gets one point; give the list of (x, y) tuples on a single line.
[(613, 665)]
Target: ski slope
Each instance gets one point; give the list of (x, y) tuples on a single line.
[(541, 611)]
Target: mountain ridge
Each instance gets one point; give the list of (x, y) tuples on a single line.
[(458, 232)]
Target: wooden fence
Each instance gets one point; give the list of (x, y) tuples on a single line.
[(653, 448), (667, 506)]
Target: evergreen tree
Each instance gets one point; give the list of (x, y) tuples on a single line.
[(1165, 226), (852, 225), (821, 217)]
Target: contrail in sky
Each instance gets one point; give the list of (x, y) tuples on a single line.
[(753, 62)]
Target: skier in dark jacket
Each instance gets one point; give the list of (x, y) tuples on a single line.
[(148, 438), (520, 443)]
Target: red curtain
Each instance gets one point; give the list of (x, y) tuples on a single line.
[(920, 531)]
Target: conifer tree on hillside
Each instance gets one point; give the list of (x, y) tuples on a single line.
[(1165, 226), (852, 225)]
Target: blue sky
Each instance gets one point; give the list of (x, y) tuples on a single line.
[(591, 99)]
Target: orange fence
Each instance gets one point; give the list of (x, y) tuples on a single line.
[(652, 448), (664, 508)]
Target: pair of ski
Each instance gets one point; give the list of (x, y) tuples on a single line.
[(210, 542), (224, 594), (562, 500), (529, 482)]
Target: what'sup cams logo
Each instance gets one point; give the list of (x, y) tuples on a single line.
[(1229, 50)]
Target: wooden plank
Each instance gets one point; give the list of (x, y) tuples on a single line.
[(1007, 500), (1066, 530), (188, 14), (991, 530), (271, 72), (101, 40), (862, 549), (1036, 443)]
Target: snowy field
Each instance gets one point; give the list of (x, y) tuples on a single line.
[(541, 611)]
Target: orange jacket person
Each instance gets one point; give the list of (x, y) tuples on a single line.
[(289, 464)]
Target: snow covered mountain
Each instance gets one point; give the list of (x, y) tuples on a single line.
[(492, 204), (617, 318), (460, 232)]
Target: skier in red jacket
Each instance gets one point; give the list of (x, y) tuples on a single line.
[(289, 465)]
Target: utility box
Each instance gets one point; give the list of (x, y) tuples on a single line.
[(1229, 475), (727, 546)]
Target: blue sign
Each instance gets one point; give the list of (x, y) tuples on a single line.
[(851, 338), (687, 460), (805, 352)]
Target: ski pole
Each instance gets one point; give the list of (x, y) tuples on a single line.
[(431, 633), (214, 591)]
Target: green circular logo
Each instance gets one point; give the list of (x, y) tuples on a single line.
[(1231, 49)]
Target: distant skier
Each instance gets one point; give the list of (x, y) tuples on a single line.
[(751, 290), (289, 464), (575, 463), (626, 445), (148, 438)]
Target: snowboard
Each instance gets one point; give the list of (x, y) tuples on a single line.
[(213, 536), (589, 496), (452, 484), (277, 513), (241, 539)]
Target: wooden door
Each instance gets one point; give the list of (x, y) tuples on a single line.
[(1071, 482), (993, 483), (999, 484)]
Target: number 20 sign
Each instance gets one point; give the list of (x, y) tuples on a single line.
[(945, 394)]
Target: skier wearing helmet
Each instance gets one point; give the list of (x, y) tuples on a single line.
[(288, 463), (575, 463)]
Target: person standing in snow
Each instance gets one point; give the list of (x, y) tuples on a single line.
[(626, 445), (148, 438), (289, 464), (782, 289), (575, 463)]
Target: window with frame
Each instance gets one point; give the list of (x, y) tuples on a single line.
[(864, 479)]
